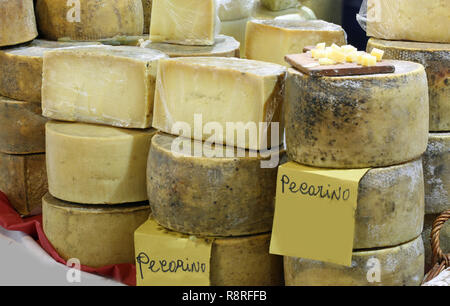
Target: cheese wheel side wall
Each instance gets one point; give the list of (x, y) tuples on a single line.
[(399, 266), (357, 122), (99, 19), (17, 22), (437, 65), (22, 128), (209, 196), (96, 236)]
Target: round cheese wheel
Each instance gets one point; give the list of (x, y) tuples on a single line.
[(97, 19), (436, 164), (357, 121), (444, 239), (17, 22), (21, 69), (436, 59), (402, 265), (93, 164), (96, 235), (210, 196), (234, 9), (390, 206), (225, 46), (22, 128)]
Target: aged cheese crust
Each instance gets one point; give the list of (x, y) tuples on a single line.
[(224, 46), (436, 59), (21, 69), (22, 128), (210, 196), (147, 6), (101, 84), (23, 179), (94, 164), (357, 121), (390, 206), (289, 37), (444, 239), (17, 22), (97, 236), (399, 266), (436, 165), (98, 19)]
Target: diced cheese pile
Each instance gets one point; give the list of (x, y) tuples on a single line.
[(345, 54)]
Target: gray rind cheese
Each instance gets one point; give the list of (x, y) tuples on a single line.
[(97, 236), (402, 265), (210, 196), (17, 22), (436, 59), (390, 206), (357, 121), (436, 164), (444, 239)]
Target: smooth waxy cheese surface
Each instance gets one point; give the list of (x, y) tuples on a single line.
[(94, 164), (390, 206), (97, 236), (289, 37), (436, 59), (402, 265), (186, 22), (21, 68), (235, 9), (436, 164), (224, 46), (100, 84), (23, 179), (22, 127), (17, 22), (147, 6), (89, 19), (357, 121), (444, 239), (222, 90), (415, 20), (210, 195)]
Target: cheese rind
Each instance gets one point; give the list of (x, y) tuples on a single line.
[(22, 128), (23, 179), (278, 5), (147, 6), (100, 84), (357, 121), (21, 68), (210, 196), (235, 9), (436, 164), (444, 239), (97, 18), (415, 20), (185, 22), (390, 206), (94, 164), (17, 22), (216, 88), (289, 37), (402, 265), (97, 236), (436, 59), (224, 46)]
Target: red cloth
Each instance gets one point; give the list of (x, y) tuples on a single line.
[(32, 226)]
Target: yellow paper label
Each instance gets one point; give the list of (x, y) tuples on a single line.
[(167, 258), (315, 213)]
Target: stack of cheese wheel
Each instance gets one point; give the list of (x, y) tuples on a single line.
[(215, 184), (380, 122), (431, 48)]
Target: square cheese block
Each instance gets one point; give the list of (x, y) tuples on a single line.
[(185, 22), (100, 84), (17, 22), (272, 40), (221, 91), (415, 20)]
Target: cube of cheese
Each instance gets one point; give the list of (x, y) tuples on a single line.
[(271, 40), (100, 84), (377, 53), (348, 49), (223, 91), (185, 22), (368, 60), (326, 61), (321, 46)]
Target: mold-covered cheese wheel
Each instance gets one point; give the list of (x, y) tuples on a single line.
[(17, 22)]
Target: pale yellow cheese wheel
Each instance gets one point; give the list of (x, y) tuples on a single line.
[(96, 236), (17, 22)]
